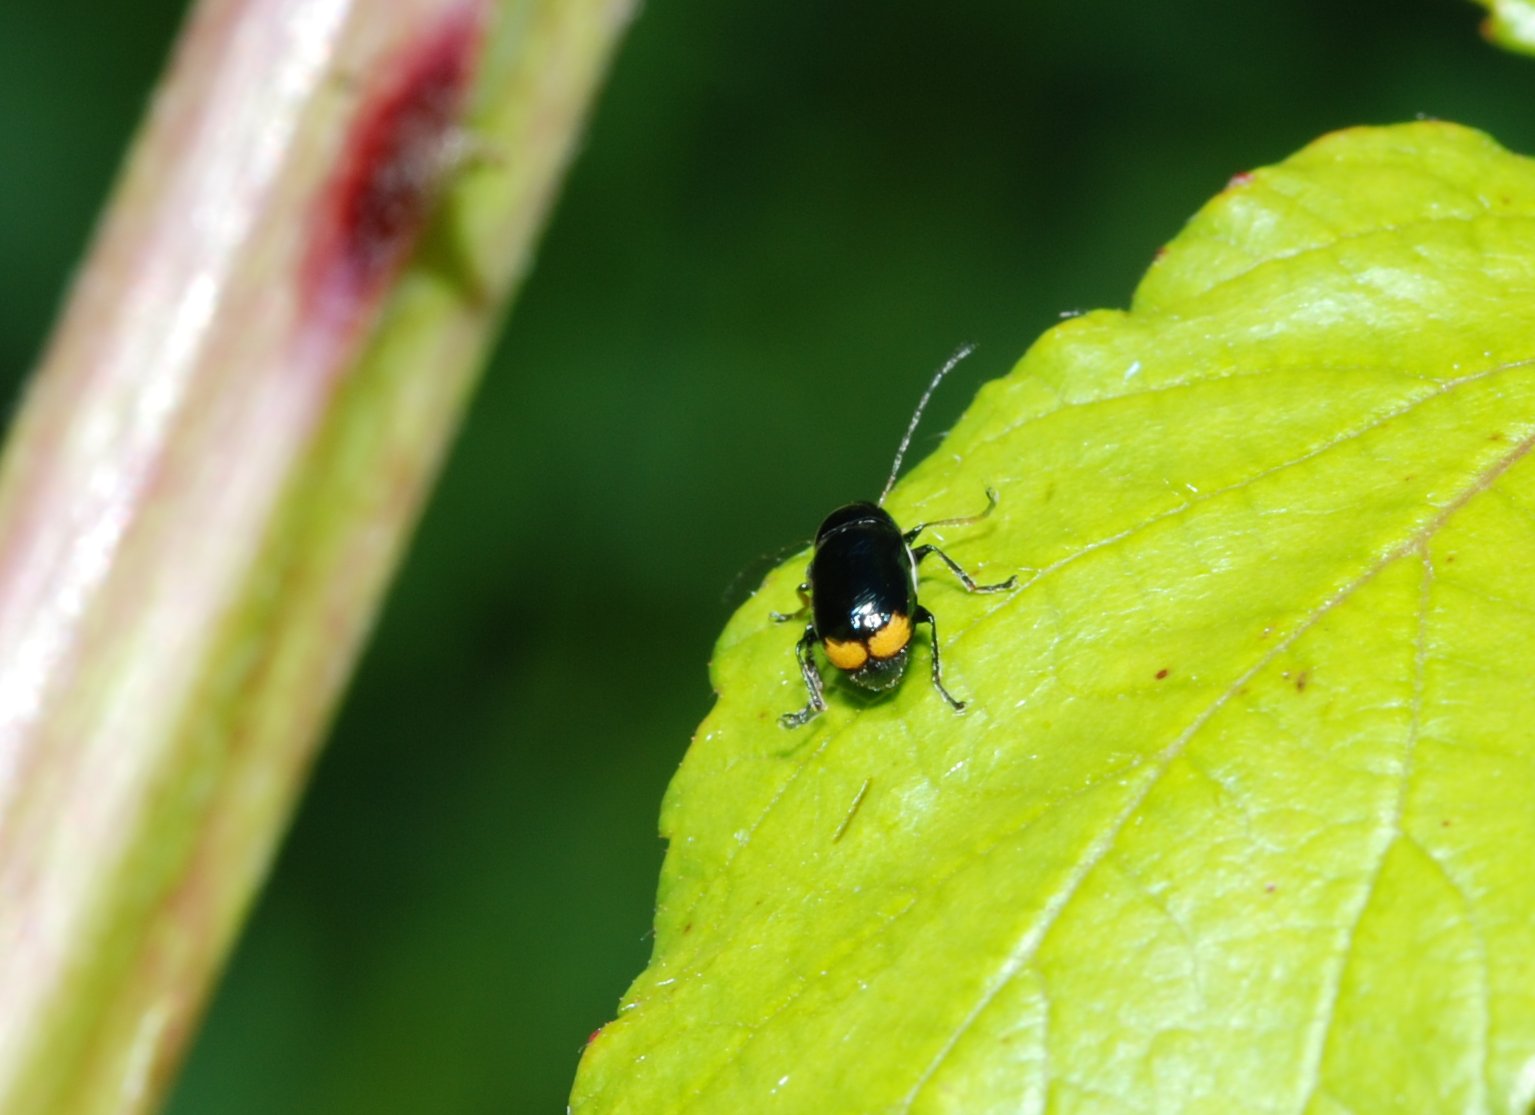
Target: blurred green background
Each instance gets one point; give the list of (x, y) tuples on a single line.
[(784, 217)]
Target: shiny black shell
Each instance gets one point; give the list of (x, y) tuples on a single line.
[(861, 573)]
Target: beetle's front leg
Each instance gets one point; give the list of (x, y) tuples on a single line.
[(963, 520)]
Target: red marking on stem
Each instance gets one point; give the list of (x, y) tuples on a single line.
[(397, 150), (1239, 180)]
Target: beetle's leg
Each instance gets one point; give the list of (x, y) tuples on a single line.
[(963, 520), (968, 581), (922, 615), (804, 651), (804, 605)]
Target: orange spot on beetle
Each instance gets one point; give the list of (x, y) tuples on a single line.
[(846, 655), (890, 639)]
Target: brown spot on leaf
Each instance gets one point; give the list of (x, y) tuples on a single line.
[(1162, 673)]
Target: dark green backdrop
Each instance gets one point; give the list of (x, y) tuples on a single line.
[(785, 216)]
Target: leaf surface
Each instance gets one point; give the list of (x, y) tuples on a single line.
[(1239, 818)]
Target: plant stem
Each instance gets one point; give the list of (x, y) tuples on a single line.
[(215, 468)]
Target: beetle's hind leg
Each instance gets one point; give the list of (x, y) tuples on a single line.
[(804, 650), (922, 615)]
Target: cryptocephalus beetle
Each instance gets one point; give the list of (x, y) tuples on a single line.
[(861, 589)]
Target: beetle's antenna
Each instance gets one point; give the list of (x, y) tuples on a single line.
[(900, 454)]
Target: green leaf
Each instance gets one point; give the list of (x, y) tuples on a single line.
[(1511, 24), (1240, 817)]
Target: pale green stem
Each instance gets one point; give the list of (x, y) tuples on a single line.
[(204, 494), (1511, 24)]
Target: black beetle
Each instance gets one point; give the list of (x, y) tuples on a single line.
[(861, 589)]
